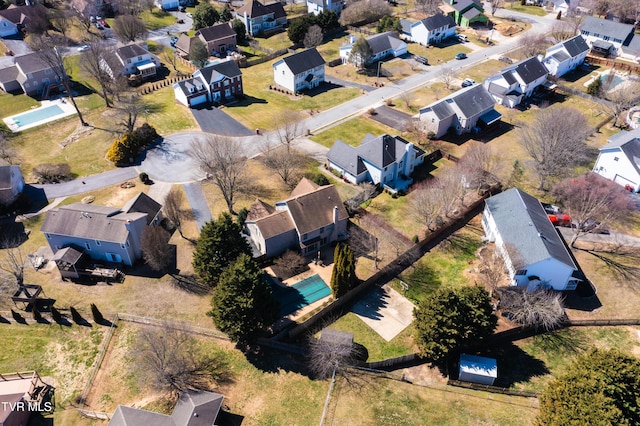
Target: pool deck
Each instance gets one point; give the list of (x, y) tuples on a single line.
[(65, 106)]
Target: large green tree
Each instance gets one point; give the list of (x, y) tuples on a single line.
[(241, 31), (198, 54), (453, 319), (601, 387), (242, 305), (204, 16), (219, 245), (343, 276), (361, 53)]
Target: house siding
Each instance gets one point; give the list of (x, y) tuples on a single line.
[(621, 171), (95, 251)]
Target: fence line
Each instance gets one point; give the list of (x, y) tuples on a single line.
[(98, 415), (492, 389), (99, 359)]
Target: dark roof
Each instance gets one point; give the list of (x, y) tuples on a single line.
[(216, 32), (473, 100), (277, 9), (187, 84), (524, 225), (629, 143), (256, 9), (5, 175), (601, 44), (604, 27), (530, 69), (9, 74), (68, 255), (31, 62), (576, 45), (218, 70), (461, 5), (561, 56), (442, 110), (131, 51), (314, 210), (472, 13), (382, 42), (438, 21), (303, 61), (509, 78), (142, 203), (346, 156), (16, 14), (633, 47)]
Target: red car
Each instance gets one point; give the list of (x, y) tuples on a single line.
[(560, 219), (104, 23)]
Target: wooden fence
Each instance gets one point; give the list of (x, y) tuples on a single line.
[(607, 62), (97, 415), (98, 362), (492, 389)]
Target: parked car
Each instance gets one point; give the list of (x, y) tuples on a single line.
[(99, 26), (463, 38), (104, 23), (594, 227), (84, 48), (189, 15), (560, 219), (551, 209), (468, 82), (461, 55), (421, 59), (505, 59)]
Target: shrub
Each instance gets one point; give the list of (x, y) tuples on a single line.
[(52, 173), (121, 150), (415, 239), (75, 315), (145, 135), (56, 315), (97, 315), (431, 135), (144, 178), (242, 216), (317, 178), (372, 111), (593, 88)]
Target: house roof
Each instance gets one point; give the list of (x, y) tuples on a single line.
[(560, 56), (576, 45), (509, 78), (473, 100), (216, 32), (303, 61), (186, 85), (471, 13), (184, 43), (384, 41), (142, 203), (605, 27), (9, 74), (256, 9), (438, 20), (31, 62), (525, 228), (258, 210), (461, 5), (68, 255), (384, 150), (131, 51), (275, 224), (633, 47), (219, 70), (314, 210), (529, 69), (405, 26), (304, 186), (629, 143), (346, 156), (16, 14), (277, 9), (127, 416)]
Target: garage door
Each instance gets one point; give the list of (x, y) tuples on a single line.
[(198, 100), (624, 181)]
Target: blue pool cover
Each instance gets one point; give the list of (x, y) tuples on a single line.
[(300, 294)]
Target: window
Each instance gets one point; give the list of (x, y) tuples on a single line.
[(139, 58), (606, 38), (521, 272), (97, 242), (48, 236), (87, 246), (615, 158), (585, 32), (127, 243), (48, 71)]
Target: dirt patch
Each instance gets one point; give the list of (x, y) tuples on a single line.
[(80, 132)]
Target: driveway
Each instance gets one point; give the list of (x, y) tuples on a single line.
[(170, 161), (17, 45), (213, 120), (88, 183), (386, 311), (345, 83), (392, 117), (198, 202)]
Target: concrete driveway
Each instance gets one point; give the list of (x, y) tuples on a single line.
[(170, 161), (386, 311), (213, 120)]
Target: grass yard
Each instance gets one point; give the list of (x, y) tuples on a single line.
[(157, 19), (15, 104), (352, 132), (531, 10), (275, 42), (166, 115), (438, 54)]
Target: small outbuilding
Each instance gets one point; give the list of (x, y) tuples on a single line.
[(477, 369)]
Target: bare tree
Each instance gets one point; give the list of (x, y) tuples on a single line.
[(591, 201), (285, 162), (425, 204), (561, 31), (293, 263), (129, 28), (430, 7), (532, 44), (61, 19), (480, 166), (287, 124), (407, 97), (313, 37), (491, 268), (173, 208), (223, 160), (95, 62), (12, 262), (452, 191), (495, 5), (364, 10), (369, 239), (555, 145), (539, 308), (171, 359), (332, 353), (54, 59), (169, 57), (620, 97), (447, 75), (156, 251), (129, 109)]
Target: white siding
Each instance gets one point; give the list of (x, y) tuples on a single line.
[(615, 166), (283, 76)]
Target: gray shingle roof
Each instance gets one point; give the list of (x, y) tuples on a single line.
[(131, 51), (142, 203), (461, 5), (216, 32), (303, 61), (629, 144), (213, 72), (576, 46), (604, 27), (509, 78), (473, 100), (9, 74), (438, 21), (314, 210), (524, 225), (384, 41), (127, 416), (31, 62), (530, 69), (405, 25), (633, 47), (5, 175), (346, 157), (560, 56)]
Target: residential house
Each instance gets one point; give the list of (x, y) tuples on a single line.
[(385, 160), (109, 234), (464, 111), (534, 252), (11, 184), (259, 19), (606, 37), (183, 45), (133, 60), (218, 82), (300, 71), (517, 81), (191, 92), (13, 19), (218, 38), (563, 6), (22, 394), (311, 218), (29, 73), (465, 12), (619, 159), (430, 30), (565, 56), (194, 408), (316, 7), (382, 45)]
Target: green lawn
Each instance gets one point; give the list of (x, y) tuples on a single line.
[(436, 54), (166, 115), (352, 132), (15, 104), (531, 10), (275, 42), (157, 19)]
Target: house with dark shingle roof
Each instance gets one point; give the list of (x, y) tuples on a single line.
[(300, 71), (382, 45), (565, 56), (533, 250), (29, 73), (464, 111), (258, 18), (218, 82), (109, 234), (218, 38), (311, 218), (606, 37), (387, 161), (194, 408), (430, 30), (133, 59), (13, 19), (619, 159), (466, 12), (316, 7), (517, 81), (11, 184)]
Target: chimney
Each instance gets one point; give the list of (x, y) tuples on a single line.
[(335, 215)]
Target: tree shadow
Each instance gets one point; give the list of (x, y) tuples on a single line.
[(514, 365), (189, 284), (275, 361), (565, 341), (370, 305), (12, 235), (258, 190), (422, 280), (3, 320), (226, 418), (247, 100)]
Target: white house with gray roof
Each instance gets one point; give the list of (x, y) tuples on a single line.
[(109, 234), (516, 82), (465, 111), (382, 45), (565, 56), (619, 159), (29, 73), (533, 250), (316, 7), (607, 37), (218, 82), (300, 71), (430, 30), (387, 161), (133, 59)]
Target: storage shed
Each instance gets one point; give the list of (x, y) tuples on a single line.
[(477, 369)]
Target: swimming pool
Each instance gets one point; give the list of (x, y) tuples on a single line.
[(297, 296), (615, 80), (36, 115)]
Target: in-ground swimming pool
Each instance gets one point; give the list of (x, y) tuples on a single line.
[(616, 80), (31, 117)]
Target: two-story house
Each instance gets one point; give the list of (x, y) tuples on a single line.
[(430, 30), (300, 71), (218, 38), (465, 12), (132, 60), (382, 45), (606, 37), (533, 250), (259, 19), (619, 159), (29, 73), (11, 184), (387, 161), (311, 218), (222, 82), (465, 111), (109, 234), (517, 81), (565, 56), (13, 19), (316, 7)]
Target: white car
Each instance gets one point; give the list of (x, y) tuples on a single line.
[(84, 48), (468, 82)]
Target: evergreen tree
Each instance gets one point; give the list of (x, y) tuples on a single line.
[(594, 87), (75, 315), (361, 53), (204, 16), (198, 54), (328, 20), (97, 315), (242, 305), (343, 276), (298, 29), (56, 315), (453, 319), (226, 15), (241, 31), (219, 245), (388, 23)]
